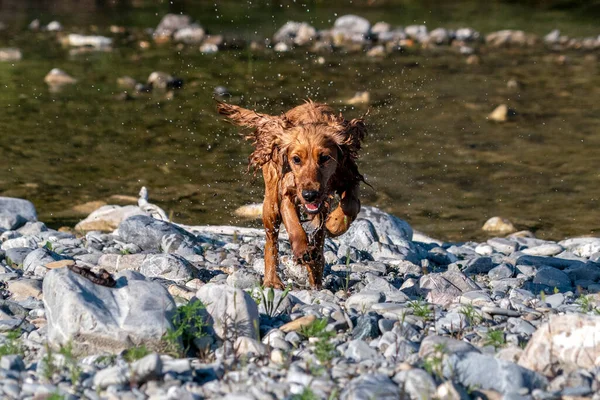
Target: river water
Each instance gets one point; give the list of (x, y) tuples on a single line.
[(432, 156)]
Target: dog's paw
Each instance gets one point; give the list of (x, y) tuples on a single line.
[(309, 256), (273, 282)]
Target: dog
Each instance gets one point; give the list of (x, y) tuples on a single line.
[(308, 160)]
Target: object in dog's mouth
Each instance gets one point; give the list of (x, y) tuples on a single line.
[(312, 207), (308, 158)]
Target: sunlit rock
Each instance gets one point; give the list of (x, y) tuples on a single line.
[(508, 37), (253, 211), (209, 48), (567, 342), (298, 33), (193, 34), (417, 32), (107, 218), (350, 28), (498, 225), (169, 24), (10, 54), (501, 113), (95, 42), (359, 98), (58, 77), (54, 26)]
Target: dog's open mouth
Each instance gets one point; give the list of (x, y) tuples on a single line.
[(312, 208)]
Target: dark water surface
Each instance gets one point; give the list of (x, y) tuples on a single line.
[(431, 155)]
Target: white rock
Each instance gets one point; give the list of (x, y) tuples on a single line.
[(107, 218), (231, 311), (96, 318)]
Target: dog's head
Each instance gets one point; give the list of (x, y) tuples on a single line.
[(309, 141)]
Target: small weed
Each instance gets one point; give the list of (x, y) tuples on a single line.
[(324, 349), (471, 315), (55, 396), (135, 353), (48, 245), (556, 290), (71, 363), (189, 324), (125, 252), (586, 304), (420, 309), (48, 364), (307, 394), (434, 363), (495, 338), (12, 345), (316, 329), (272, 309)]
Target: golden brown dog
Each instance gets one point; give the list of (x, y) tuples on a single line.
[(308, 156)]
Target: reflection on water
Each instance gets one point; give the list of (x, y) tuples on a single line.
[(432, 156)]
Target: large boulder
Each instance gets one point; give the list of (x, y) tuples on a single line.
[(107, 218), (157, 236), (484, 371), (96, 319), (167, 266), (231, 312), (572, 341), (15, 213)]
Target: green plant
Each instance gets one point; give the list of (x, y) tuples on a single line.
[(495, 338), (434, 362), (272, 309), (48, 364), (586, 304), (55, 396), (48, 245), (12, 344), (135, 353), (125, 252), (324, 349), (420, 309), (71, 362), (471, 314), (188, 325), (307, 394)]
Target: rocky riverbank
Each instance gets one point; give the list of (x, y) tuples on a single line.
[(401, 315)]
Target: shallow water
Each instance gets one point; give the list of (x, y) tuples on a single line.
[(431, 155)]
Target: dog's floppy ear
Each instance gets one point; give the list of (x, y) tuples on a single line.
[(266, 136), (355, 134)]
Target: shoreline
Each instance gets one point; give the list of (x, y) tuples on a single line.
[(396, 316)]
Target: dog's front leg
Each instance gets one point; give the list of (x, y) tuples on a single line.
[(271, 221), (339, 220), (308, 254)]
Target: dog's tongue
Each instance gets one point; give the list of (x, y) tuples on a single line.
[(312, 207)]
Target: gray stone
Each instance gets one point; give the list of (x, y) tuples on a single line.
[(480, 265), (486, 372), (243, 278), (440, 256), (503, 245), (416, 383), (544, 250), (363, 300), (13, 362), (157, 236), (359, 350), (401, 350), (548, 278), (146, 368), (450, 346), (443, 288), (96, 318), (589, 271), (452, 322), (168, 266), (15, 212), (351, 27), (366, 327), (245, 346), (520, 326), (371, 386), (440, 36), (17, 255), (501, 271), (230, 311), (417, 32), (117, 375), (39, 258)]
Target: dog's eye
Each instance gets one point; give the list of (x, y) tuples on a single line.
[(324, 158), (296, 160)]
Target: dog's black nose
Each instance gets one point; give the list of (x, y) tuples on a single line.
[(310, 195)]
